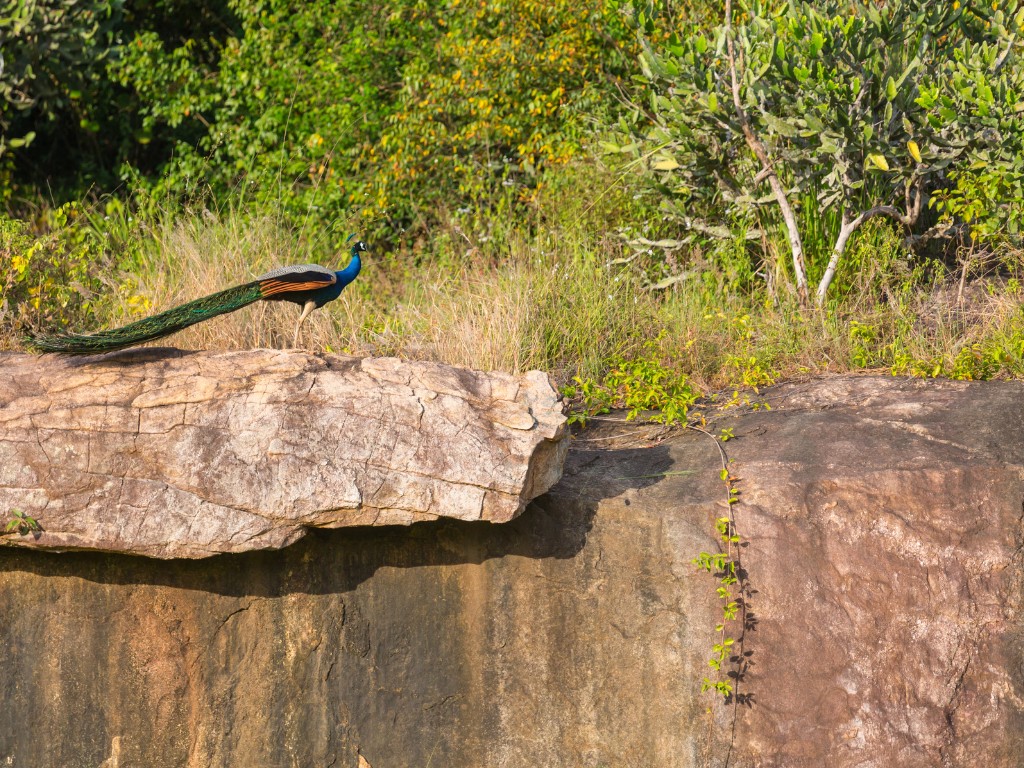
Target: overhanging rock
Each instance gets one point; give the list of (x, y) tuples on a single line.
[(169, 454)]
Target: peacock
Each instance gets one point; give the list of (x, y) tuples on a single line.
[(308, 285)]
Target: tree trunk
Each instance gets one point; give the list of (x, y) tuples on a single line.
[(849, 226), (845, 231), (767, 170)]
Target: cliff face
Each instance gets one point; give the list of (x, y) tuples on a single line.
[(883, 529)]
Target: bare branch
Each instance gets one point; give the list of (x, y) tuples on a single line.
[(758, 148), (849, 226)]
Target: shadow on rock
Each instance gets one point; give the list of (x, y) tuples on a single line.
[(337, 561), (131, 356)]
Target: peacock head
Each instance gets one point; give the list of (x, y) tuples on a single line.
[(360, 247)]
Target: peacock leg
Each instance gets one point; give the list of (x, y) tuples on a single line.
[(306, 309)]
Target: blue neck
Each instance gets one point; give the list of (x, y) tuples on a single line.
[(348, 274)]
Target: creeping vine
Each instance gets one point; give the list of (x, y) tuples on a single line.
[(730, 659)]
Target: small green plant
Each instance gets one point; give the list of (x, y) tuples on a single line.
[(22, 524), (863, 340), (749, 372), (642, 386), (54, 278)]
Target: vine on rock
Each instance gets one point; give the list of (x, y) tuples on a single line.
[(729, 659)]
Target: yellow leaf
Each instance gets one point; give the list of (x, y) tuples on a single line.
[(915, 152), (879, 162), (666, 164)]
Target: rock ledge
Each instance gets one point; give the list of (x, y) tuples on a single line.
[(170, 454)]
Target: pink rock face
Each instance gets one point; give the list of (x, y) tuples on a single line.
[(884, 520), (165, 454)]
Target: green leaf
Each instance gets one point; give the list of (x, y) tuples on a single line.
[(890, 89), (817, 41), (780, 126), (24, 141)]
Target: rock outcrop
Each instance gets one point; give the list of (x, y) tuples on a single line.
[(883, 527), (167, 454)]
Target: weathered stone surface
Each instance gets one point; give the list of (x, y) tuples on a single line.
[(884, 521), (171, 454)]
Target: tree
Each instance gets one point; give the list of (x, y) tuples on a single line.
[(863, 107), (51, 52)]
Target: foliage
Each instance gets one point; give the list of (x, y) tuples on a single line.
[(287, 104), (395, 112), (23, 524), (862, 108), (508, 88), (988, 195), (53, 53), (643, 386), (54, 279), (729, 658), (59, 90)]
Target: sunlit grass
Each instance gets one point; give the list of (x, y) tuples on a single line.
[(557, 302)]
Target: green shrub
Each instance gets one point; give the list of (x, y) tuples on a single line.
[(395, 114), (54, 52), (859, 109), (56, 88), (283, 110), (505, 90), (56, 279), (640, 385)]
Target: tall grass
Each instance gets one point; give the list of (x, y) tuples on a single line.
[(551, 304), (556, 300)]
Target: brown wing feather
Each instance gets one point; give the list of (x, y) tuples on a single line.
[(273, 287)]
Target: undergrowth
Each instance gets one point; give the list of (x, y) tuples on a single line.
[(565, 292)]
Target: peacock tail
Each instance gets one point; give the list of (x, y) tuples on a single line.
[(149, 328)]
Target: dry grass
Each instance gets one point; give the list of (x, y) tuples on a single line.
[(194, 257), (558, 303), (559, 309)]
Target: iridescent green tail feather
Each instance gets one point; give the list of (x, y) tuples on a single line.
[(149, 328)]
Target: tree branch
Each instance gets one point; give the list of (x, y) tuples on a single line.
[(758, 148), (849, 226)]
